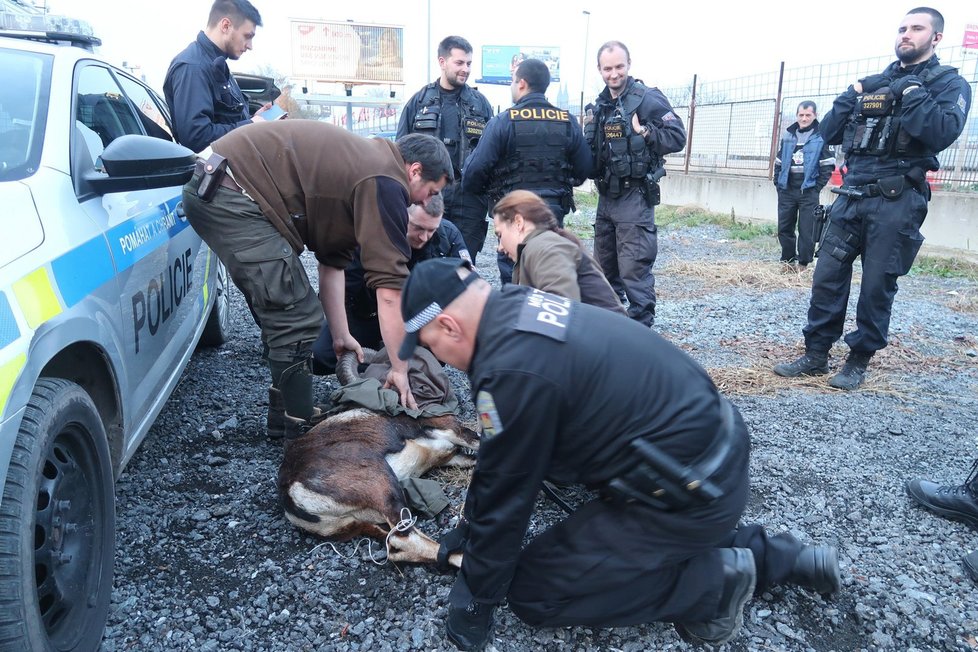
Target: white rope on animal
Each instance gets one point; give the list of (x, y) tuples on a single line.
[(406, 523)]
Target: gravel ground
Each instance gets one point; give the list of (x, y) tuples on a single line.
[(206, 560)]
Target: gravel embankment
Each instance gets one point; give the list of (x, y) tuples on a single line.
[(206, 560)]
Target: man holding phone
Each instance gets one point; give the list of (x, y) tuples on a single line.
[(204, 99)]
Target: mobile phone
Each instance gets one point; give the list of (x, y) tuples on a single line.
[(274, 113)]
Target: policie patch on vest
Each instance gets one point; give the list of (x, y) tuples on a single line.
[(545, 314), (492, 425)]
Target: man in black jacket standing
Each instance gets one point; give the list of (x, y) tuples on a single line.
[(632, 128), (204, 99), (533, 146), (891, 126), (456, 114)]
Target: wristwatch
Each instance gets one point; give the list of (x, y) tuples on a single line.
[(645, 131)]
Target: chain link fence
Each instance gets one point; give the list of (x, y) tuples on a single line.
[(735, 125)]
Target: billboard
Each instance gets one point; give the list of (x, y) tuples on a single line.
[(340, 51), (971, 37), (499, 61)]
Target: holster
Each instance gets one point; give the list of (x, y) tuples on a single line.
[(660, 481), (214, 169)]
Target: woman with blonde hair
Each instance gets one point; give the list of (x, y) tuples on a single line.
[(547, 257)]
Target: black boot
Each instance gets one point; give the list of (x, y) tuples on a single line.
[(275, 423), (817, 568), (853, 373), (958, 502), (739, 578), (813, 363)]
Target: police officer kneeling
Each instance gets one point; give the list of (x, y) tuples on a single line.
[(575, 394)]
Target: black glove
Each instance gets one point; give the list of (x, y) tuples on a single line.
[(902, 84), (470, 627), (874, 82)]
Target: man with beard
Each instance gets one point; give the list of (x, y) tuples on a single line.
[(456, 114), (891, 127), (633, 127), (204, 99)]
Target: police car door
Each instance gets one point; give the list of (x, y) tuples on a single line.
[(158, 259)]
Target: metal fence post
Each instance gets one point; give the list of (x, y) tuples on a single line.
[(689, 131), (776, 131)]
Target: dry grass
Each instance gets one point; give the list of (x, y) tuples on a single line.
[(964, 301), (750, 274), (889, 367)]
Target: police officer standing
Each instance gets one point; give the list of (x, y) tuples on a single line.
[(891, 126), (632, 128), (533, 146), (457, 115), (667, 452), (204, 99)]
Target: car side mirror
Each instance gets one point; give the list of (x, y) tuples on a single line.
[(135, 162)]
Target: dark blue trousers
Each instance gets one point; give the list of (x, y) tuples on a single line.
[(885, 234)]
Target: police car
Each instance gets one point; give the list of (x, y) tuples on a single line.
[(105, 291)]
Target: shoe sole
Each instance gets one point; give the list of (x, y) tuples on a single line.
[(941, 511), (741, 601), (970, 562), (814, 372)]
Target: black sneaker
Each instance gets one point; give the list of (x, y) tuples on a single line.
[(853, 372), (739, 578), (958, 502), (810, 364), (817, 568)]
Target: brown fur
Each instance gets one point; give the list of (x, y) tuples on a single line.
[(341, 479)]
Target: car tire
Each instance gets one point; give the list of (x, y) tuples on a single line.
[(57, 525), (219, 320)]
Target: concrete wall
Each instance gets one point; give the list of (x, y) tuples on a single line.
[(952, 218)]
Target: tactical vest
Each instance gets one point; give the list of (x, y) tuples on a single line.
[(466, 135), (874, 128), (537, 157), (622, 153)]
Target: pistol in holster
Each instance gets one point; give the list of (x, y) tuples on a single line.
[(212, 173)]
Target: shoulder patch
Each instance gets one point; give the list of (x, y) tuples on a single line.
[(492, 425), (961, 103), (669, 116), (545, 314)]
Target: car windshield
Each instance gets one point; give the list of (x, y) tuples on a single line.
[(24, 96)]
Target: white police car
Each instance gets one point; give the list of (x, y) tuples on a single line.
[(105, 291)]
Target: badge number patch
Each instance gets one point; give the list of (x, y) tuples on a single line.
[(488, 416)]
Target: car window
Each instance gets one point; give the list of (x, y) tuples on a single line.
[(24, 96), (150, 112), (101, 106)]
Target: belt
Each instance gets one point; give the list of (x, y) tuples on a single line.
[(225, 182)]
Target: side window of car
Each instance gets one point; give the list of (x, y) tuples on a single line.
[(101, 106), (150, 113)]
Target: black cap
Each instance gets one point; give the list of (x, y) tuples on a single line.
[(432, 285)]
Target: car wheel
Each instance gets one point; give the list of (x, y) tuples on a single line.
[(219, 321), (57, 525)]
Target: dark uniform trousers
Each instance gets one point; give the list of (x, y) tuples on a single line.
[(506, 264), (467, 212), (797, 207), (610, 565), (263, 265), (625, 245), (886, 234)]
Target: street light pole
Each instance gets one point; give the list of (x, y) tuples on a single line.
[(587, 34)]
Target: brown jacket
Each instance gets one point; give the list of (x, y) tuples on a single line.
[(329, 190), (550, 262)]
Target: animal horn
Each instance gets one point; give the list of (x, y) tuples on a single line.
[(346, 366)]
